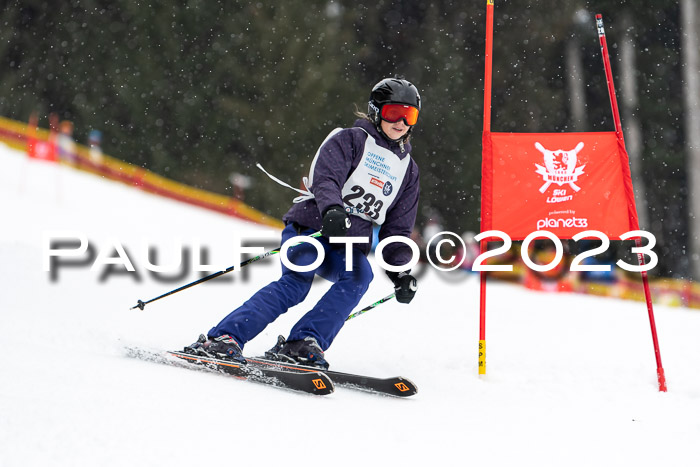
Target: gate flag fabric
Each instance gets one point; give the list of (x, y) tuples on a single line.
[(561, 182)]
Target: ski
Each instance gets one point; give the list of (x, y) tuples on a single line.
[(312, 382), (393, 386)]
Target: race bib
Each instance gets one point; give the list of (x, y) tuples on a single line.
[(374, 184)]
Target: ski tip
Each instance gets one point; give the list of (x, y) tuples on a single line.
[(404, 387), (323, 385)]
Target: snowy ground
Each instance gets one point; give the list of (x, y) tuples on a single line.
[(571, 379)]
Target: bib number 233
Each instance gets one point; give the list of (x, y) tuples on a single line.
[(363, 202)]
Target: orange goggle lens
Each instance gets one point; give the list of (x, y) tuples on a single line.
[(392, 113)]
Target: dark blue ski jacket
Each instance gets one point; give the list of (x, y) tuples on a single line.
[(338, 158)]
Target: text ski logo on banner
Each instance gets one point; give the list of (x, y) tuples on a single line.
[(560, 168)]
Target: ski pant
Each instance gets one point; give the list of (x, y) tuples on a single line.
[(325, 319)]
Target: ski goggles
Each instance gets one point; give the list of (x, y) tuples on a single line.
[(392, 113)]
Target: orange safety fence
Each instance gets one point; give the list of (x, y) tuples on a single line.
[(18, 136)]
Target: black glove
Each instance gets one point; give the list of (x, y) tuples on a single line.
[(335, 222), (405, 285)]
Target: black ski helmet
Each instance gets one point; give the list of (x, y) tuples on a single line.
[(391, 91)]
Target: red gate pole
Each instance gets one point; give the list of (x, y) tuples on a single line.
[(630, 195), (485, 207)]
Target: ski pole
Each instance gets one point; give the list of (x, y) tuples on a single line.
[(141, 304), (373, 305)]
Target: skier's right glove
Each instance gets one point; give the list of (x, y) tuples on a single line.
[(335, 222), (405, 285)]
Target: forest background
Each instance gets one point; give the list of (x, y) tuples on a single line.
[(201, 90)]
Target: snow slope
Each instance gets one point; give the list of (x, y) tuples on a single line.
[(571, 379)]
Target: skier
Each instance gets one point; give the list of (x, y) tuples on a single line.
[(359, 176)]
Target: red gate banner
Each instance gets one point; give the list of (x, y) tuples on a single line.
[(561, 182)]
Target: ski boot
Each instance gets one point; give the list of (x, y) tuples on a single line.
[(301, 352), (222, 347)]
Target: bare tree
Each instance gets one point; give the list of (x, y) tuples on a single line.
[(577, 91), (574, 71), (690, 48), (630, 107)]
